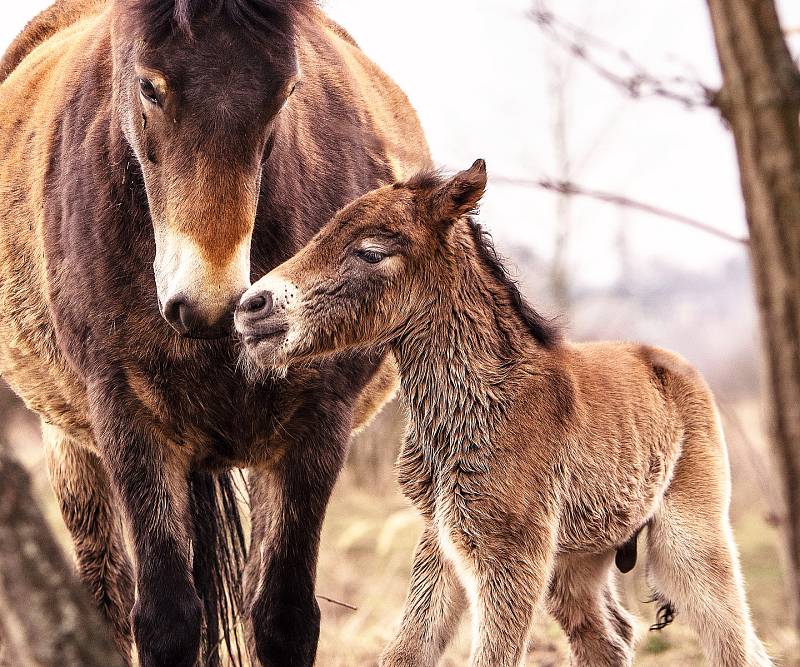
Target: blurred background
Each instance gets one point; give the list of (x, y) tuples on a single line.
[(614, 192)]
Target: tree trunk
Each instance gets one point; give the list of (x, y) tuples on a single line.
[(760, 99), (46, 617)]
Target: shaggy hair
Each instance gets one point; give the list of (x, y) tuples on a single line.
[(543, 330), (158, 19)]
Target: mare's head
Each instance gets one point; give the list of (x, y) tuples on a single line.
[(364, 276), (198, 88)]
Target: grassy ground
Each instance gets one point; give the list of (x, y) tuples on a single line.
[(367, 547), (371, 531)]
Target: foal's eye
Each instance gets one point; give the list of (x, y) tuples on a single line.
[(148, 90), (371, 256)]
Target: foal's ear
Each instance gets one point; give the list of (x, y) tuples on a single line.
[(460, 194)]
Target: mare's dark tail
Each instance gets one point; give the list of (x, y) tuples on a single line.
[(219, 553)]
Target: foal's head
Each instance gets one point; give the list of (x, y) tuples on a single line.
[(198, 88), (363, 276)]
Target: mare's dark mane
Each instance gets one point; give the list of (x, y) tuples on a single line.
[(156, 19)]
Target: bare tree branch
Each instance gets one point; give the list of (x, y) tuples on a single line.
[(572, 189), (622, 69)]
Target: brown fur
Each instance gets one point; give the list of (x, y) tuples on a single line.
[(143, 424), (533, 460)]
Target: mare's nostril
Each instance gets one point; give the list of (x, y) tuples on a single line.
[(181, 316), (174, 313), (187, 317)]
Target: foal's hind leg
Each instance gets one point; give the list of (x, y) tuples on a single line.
[(436, 600), (583, 601), (620, 618), (87, 504), (693, 562)]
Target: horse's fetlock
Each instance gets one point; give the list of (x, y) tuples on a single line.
[(168, 629), (286, 636)]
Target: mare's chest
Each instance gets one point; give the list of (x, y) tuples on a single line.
[(223, 417)]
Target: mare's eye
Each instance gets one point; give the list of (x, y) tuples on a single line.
[(371, 256), (148, 90)]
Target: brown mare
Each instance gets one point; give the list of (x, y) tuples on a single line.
[(532, 460), (156, 154)]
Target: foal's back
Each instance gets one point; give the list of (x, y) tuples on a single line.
[(609, 420)]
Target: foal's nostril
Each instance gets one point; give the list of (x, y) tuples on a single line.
[(254, 303), (256, 306)]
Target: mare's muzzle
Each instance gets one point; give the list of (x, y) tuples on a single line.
[(187, 319)]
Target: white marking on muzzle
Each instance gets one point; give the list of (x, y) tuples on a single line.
[(181, 269)]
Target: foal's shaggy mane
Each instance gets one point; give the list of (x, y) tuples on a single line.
[(156, 19), (543, 330)]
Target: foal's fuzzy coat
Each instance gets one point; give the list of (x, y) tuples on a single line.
[(532, 460)]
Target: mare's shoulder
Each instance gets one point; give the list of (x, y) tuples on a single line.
[(59, 16)]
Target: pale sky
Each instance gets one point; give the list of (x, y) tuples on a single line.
[(477, 73)]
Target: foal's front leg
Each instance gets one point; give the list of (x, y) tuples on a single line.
[(151, 482), (510, 573), (435, 602)]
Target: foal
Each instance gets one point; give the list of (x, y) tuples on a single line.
[(532, 460)]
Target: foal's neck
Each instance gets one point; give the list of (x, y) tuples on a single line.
[(461, 360)]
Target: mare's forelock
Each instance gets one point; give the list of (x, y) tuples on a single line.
[(156, 19)]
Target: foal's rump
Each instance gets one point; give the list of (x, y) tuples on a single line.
[(634, 407)]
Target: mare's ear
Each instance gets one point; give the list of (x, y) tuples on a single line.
[(461, 194)]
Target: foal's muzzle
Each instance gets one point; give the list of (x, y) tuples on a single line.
[(257, 316)]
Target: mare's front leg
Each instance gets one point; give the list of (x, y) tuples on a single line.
[(92, 515), (435, 602), (151, 482), (288, 501)]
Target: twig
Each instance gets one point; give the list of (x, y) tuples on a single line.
[(638, 82), (341, 604), (572, 189)]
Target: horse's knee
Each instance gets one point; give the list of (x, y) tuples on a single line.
[(167, 628), (286, 634), (591, 647), (595, 640), (395, 655)]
